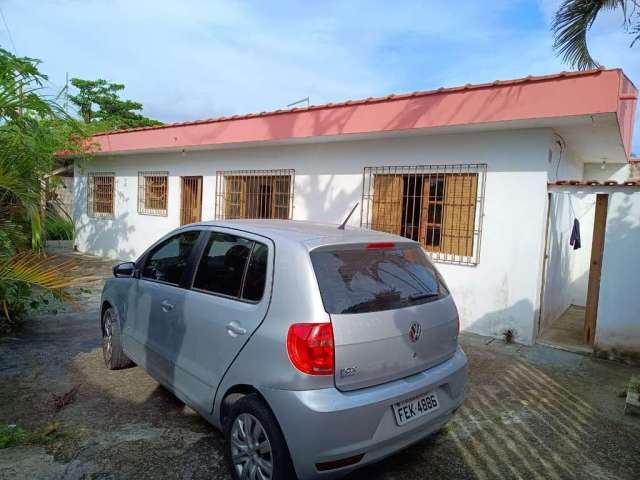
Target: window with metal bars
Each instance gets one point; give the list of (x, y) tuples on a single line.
[(101, 194), (439, 206), (153, 193), (254, 194)]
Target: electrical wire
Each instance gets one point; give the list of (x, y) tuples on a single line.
[(6, 26)]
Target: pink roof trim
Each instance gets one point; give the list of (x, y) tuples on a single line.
[(559, 95)]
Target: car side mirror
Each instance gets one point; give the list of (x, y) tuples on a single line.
[(124, 270)]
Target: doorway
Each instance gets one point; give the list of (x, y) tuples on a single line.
[(571, 283), (191, 201)]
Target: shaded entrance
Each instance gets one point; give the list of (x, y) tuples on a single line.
[(572, 276)]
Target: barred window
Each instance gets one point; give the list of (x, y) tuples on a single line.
[(254, 194), (100, 195), (439, 206), (153, 193)]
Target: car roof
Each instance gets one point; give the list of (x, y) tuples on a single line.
[(311, 234)]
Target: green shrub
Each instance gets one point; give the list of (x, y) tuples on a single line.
[(58, 228)]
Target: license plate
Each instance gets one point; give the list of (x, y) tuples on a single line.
[(414, 408)]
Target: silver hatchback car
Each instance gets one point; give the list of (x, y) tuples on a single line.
[(316, 350)]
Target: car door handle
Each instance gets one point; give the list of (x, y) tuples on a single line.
[(234, 329), (166, 306)]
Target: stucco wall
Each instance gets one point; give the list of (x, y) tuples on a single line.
[(618, 324), (609, 171), (502, 291)]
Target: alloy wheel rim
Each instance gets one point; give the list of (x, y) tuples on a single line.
[(107, 337), (250, 449)]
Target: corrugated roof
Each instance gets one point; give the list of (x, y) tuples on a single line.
[(369, 100)]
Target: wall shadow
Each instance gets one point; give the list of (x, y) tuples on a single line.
[(98, 234)]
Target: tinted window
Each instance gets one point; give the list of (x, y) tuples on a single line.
[(256, 273), (167, 261), (360, 280), (223, 263)]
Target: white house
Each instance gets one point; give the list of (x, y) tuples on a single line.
[(465, 171)]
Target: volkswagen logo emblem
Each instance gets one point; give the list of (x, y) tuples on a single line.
[(415, 331)]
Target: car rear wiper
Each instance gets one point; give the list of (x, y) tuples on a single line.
[(422, 296)]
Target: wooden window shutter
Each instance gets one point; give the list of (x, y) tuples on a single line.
[(280, 200), (235, 197), (459, 214), (387, 203)]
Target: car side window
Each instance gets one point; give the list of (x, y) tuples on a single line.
[(223, 264), (168, 260), (256, 273)]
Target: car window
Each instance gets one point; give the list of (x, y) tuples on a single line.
[(223, 263), (167, 261), (256, 273), (370, 280)]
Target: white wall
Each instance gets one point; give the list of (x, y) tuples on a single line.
[(562, 162), (502, 291), (611, 171), (618, 322)]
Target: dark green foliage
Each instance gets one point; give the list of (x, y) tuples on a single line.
[(100, 105), (573, 20), (32, 129), (58, 228)]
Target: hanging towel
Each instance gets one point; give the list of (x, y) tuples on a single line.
[(575, 235)]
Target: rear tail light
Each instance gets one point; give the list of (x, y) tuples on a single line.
[(380, 245), (310, 348), (457, 325)]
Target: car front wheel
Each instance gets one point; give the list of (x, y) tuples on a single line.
[(255, 447), (114, 356)]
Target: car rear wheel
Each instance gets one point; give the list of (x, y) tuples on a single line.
[(114, 356), (255, 447)]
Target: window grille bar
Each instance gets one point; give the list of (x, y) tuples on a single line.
[(440, 206), (254, 194), (100, 194), (153, 193), (191, 200)]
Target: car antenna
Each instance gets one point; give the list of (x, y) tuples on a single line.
[(344, 224)]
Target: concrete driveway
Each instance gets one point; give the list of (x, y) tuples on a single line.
[(531, 412)]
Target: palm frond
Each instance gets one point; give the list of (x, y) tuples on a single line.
[(572, 21), (49, 273)]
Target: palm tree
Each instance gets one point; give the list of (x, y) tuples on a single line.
[(573, 20), (32, 129)]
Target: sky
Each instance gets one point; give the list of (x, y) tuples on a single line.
[(193, 59)]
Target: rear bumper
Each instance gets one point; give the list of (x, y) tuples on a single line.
[(328, 425)]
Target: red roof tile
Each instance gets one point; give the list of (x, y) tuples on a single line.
[(529, 98), (419, 93)]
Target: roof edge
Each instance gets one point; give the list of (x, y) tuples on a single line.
[(370, 100)]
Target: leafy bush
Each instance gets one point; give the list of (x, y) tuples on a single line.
[(58, 228), (32, 129)]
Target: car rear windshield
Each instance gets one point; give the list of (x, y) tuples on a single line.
[(360, 279)]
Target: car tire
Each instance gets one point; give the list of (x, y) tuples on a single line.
[(112, 353), (262, 448)]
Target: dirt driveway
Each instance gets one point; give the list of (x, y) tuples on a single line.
[(531, 412)]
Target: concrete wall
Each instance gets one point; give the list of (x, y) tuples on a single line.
[(501, 292), (618, 324), (619, 172)]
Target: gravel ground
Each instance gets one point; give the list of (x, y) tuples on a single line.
[(531, 412)]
